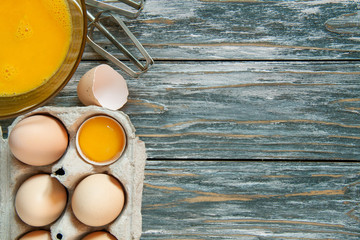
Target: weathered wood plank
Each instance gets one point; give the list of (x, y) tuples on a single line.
[(238, 30), (251, 200), (243, 110)]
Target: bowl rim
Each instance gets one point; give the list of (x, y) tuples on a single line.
[(69, 76)]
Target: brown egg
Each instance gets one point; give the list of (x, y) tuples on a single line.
[(98, 200), (37, 235), (100, 235), (38, 140), (104, 87), (40, 200)]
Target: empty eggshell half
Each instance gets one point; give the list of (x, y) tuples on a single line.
[(104, 87)]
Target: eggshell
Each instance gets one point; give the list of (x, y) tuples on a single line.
[(40, 200), (37, 235), (69, 171), (111, 135), (104, 87), (38, 140), (98, 200), (100, 235)]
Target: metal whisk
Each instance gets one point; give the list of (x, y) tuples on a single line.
[(112, 13)]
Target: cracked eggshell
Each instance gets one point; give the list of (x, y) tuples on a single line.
[(104, 87)]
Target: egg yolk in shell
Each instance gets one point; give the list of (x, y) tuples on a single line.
[(101, 139)]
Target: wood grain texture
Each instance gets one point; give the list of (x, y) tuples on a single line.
[(243, 110), (248, 80), (251, 200), (242, 30)]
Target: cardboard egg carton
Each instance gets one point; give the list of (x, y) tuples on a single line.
[(70, 169)]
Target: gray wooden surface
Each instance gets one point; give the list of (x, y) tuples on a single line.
[(235, 83), (251, 200), (245, 29), (244, 110)]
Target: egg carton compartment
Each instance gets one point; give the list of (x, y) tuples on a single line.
[(69, 170)]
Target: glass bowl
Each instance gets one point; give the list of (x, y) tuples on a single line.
[(11, 106)]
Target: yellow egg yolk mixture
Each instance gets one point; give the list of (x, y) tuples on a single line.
[(101, 139), (35, 38)]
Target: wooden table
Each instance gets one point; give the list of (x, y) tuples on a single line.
[(251, 119)]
